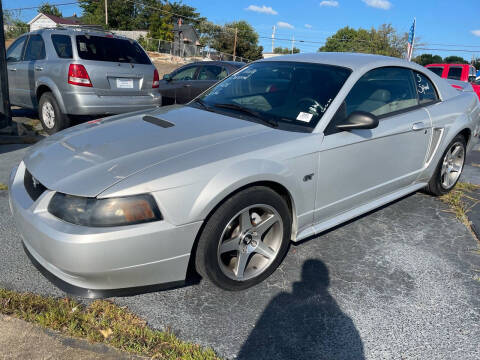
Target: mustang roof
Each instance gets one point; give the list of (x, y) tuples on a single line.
[(354, 61)]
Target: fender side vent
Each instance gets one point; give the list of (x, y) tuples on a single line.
[(156, 121)]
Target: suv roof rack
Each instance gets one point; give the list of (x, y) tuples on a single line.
[(96, 28)]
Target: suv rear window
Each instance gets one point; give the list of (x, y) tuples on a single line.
[(437, 70), (63, 46), (101, 48), (454, 73)]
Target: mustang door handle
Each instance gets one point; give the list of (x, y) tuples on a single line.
[(418, 126), (187, 85), (38, 68), (12, 69)]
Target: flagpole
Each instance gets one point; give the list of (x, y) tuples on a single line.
[(413, 37)]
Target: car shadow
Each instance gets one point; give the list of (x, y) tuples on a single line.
[(304, 324)]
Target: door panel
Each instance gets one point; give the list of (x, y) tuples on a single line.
[(29, 70), (14, 57), (178, 89), (359, 166)]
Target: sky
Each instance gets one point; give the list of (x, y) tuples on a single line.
[(440, 23)]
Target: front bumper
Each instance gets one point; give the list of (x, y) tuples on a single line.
[(99, 259), (93, 104)]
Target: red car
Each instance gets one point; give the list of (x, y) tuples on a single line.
[(459, 72)]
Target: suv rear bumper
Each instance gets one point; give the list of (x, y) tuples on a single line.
[(93, 104)]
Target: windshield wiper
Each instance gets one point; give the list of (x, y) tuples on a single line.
[(202, 103), (248, 111)]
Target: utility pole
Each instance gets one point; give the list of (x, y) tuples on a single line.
[(106, 12), (273, 38), (293, 42), (5, 112), (235, 44)]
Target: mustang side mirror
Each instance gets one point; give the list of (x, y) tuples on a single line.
[(358, 120), (167, 77), (472, 78)]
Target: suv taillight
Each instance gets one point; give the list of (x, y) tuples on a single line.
[(156, 80), (77, 75)]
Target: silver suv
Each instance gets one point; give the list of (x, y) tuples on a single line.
[(65, 71)]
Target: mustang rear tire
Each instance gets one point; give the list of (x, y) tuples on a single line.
[(449, 167), (245, 239), (50, 115)]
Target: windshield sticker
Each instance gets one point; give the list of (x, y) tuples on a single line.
[(83, 46), (305, 117)]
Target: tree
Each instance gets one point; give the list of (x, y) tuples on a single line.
[(247, 40), (455, 60), (425, 59), (47, 8), (285, 50), (384, 41), (14, 26)]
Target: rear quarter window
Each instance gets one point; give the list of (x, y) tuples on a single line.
[(63, 46), (101, 48)]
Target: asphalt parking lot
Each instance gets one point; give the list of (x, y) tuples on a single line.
[(402, 282)]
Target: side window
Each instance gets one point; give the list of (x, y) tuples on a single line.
[(212, 72), (382, 91), (63, 46), (35, 49), (186, 74), (15, 51), (436, 69), (454, 73), (425, 89)]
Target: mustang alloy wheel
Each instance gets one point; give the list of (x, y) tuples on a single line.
[(452, 165), (449, 168), (245, 239), (250, 242)]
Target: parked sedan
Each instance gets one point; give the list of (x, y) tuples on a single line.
[(278, 152), (187, 82), (64, 72)]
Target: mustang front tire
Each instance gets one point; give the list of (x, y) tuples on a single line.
[(245, 239)]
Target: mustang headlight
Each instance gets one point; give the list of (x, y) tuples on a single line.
[(104, 212)]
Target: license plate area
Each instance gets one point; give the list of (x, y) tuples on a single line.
[(124, 83)]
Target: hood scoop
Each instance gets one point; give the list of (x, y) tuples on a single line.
[(156, 121)]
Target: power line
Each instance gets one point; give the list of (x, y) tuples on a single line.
[(36, 7)]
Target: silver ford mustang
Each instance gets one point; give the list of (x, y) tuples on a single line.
[(277, 152)]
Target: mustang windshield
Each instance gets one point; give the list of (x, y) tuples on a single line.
[(290, 95)]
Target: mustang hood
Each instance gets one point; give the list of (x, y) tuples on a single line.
[(91, 157)]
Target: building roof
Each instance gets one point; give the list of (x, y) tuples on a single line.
[(72, 20)]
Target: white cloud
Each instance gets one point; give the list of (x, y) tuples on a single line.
[(262, 9), (285, 25), (308, 26), (476, 32), (379, 4), (330, 3)]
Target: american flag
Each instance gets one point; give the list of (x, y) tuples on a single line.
[(411, 40)]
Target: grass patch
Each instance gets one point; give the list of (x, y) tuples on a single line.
[(3, 186), (461, 199), (102, 322)]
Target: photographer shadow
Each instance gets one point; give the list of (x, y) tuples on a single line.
[(304, 324)]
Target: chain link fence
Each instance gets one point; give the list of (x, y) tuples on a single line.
[(188, 52)]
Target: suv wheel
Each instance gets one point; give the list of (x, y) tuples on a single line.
[(245, 239), (50, 115)]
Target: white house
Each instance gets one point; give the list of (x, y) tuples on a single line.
[(42, 21)]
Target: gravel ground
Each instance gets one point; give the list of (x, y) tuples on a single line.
[(402, 282)]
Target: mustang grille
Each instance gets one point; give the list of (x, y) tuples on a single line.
[(33, 186)]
